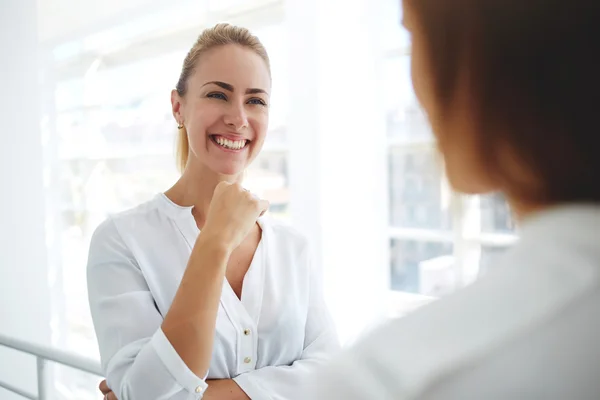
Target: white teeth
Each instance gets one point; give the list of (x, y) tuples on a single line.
[(234, 145)]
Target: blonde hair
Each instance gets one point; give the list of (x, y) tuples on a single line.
[(219, 35)]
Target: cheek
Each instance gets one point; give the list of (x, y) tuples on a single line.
[(415, 73), (206, 114), (200, 119), (419, 78), (260, 125)]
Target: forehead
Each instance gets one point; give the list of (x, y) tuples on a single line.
[(233, 64)]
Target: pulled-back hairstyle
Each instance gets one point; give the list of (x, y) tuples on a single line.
[(219, 35)]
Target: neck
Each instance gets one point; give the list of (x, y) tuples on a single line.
[(195, 188)]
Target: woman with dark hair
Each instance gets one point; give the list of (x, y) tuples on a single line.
[(511, 88)]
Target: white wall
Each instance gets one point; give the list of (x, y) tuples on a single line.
[(338, 162), (23, 266)]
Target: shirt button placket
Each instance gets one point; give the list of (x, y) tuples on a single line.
[(248, 347)]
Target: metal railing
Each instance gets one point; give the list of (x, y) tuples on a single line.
[(44, 355)]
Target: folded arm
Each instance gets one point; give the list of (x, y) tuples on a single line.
[(143, 356)]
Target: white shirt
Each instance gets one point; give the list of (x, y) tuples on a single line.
[(267, 342), (528, 329)]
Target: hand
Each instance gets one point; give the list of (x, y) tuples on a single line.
[(232, 214), (108, 394), (224, 389)]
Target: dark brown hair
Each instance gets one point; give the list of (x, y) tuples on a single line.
[(532, 69)]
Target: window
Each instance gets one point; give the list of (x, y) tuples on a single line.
[(423, 267)]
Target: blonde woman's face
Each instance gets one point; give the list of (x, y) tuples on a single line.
[(226, 109)]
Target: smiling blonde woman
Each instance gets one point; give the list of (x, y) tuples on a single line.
[(194, 294)]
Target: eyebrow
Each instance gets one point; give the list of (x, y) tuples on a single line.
[(230, 88)]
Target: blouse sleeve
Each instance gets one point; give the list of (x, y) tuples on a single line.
[(137, 358)]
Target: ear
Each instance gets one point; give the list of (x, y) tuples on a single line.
[(177, 106)]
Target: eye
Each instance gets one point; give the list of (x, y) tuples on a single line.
[(217, 95), (257, 101)]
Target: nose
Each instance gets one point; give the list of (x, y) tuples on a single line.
[(236, 118)]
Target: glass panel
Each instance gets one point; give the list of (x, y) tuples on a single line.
[(406, 122), (496, 216), (419, 197), (422, 267), (489, 256)]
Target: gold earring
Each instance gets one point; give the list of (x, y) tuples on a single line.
[(180, 125)]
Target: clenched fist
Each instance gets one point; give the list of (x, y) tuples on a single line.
[(232, 213)]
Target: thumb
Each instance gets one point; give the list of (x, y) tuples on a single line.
[(221, 186)]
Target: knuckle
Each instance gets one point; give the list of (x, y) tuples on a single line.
[(247, 195)]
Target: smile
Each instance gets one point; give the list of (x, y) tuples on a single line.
[(228, 143)]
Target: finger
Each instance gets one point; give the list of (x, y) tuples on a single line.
[(251, 198), (104, 387), (111, 396)]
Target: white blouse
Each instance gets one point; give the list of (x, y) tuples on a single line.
[(267, 342), (526, 330)]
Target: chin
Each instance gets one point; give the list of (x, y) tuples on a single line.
[(470, 185), (229, 170)]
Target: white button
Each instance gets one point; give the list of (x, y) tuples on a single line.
[(198, 389), (247, 360)]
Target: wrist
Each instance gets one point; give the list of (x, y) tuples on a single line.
[(215, 241)]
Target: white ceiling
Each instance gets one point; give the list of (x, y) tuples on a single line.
[(135, 29), (59, 19), (63, 20)]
